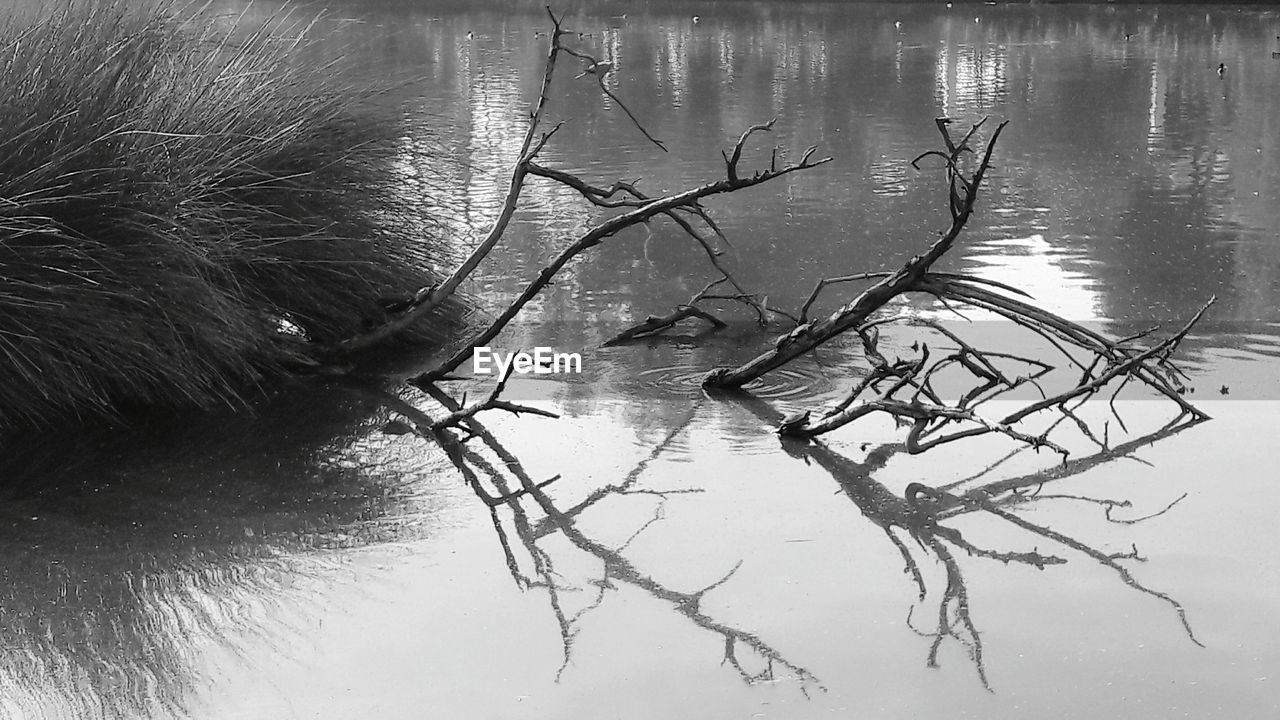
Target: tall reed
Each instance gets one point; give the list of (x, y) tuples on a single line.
[(175, 189)]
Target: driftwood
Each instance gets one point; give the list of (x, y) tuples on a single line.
[(907, 389), (929, 414), (911, 395), (653, 325), (963, 195)]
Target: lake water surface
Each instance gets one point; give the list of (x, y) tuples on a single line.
[(298, 562)]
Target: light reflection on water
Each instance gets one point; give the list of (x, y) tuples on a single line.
[(304, 564), (1153, 170)]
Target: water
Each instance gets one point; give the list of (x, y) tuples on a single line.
[(299, 562)]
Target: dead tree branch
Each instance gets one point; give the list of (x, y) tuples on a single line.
[(637, 208), (624, 194), (491, 403), (599, 234), (599, 70), (653, 325), (814, 333), (912, 395), (422, 424), (530, 146), (929, 417)]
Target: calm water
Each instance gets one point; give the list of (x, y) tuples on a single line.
[(301, 563)]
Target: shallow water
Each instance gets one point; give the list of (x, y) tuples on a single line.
[(298, 562)]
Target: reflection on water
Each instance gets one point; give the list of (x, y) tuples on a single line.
[(133, 559), (1149, 175), (660, 552), (1055, 277)]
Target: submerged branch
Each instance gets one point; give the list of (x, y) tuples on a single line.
[(810, 335)]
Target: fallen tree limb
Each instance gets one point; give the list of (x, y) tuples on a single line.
[(607, 229), (653, 325), (814, 333), (912, 395), (1045, 323), (423, 425), (928, 418), (530, 146), (623, 194)]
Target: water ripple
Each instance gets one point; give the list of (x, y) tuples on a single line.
[(782, 384)]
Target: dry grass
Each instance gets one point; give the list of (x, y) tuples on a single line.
[(173, 186)]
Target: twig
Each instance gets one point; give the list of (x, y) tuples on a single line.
[(492, 402), (598, 70)]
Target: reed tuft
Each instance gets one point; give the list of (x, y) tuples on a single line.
[(176, 189)]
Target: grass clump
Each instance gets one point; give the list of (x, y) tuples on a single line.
[(174, 189)]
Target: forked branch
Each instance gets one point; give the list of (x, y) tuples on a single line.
[(598, 234), (810, 335)]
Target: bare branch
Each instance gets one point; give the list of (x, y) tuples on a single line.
[(529, 148), (822, 285), (597, 235), (492, 402), (857, 312), (731, 163), (653, 325)]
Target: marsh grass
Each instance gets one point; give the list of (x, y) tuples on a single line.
[(176, 187)]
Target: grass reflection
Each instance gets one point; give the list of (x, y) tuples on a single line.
[(139, 564)]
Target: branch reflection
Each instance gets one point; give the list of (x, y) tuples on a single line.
[(135, 576), (615, 566), (921, 511)]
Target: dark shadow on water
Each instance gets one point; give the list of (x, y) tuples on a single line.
[(129, 553)]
